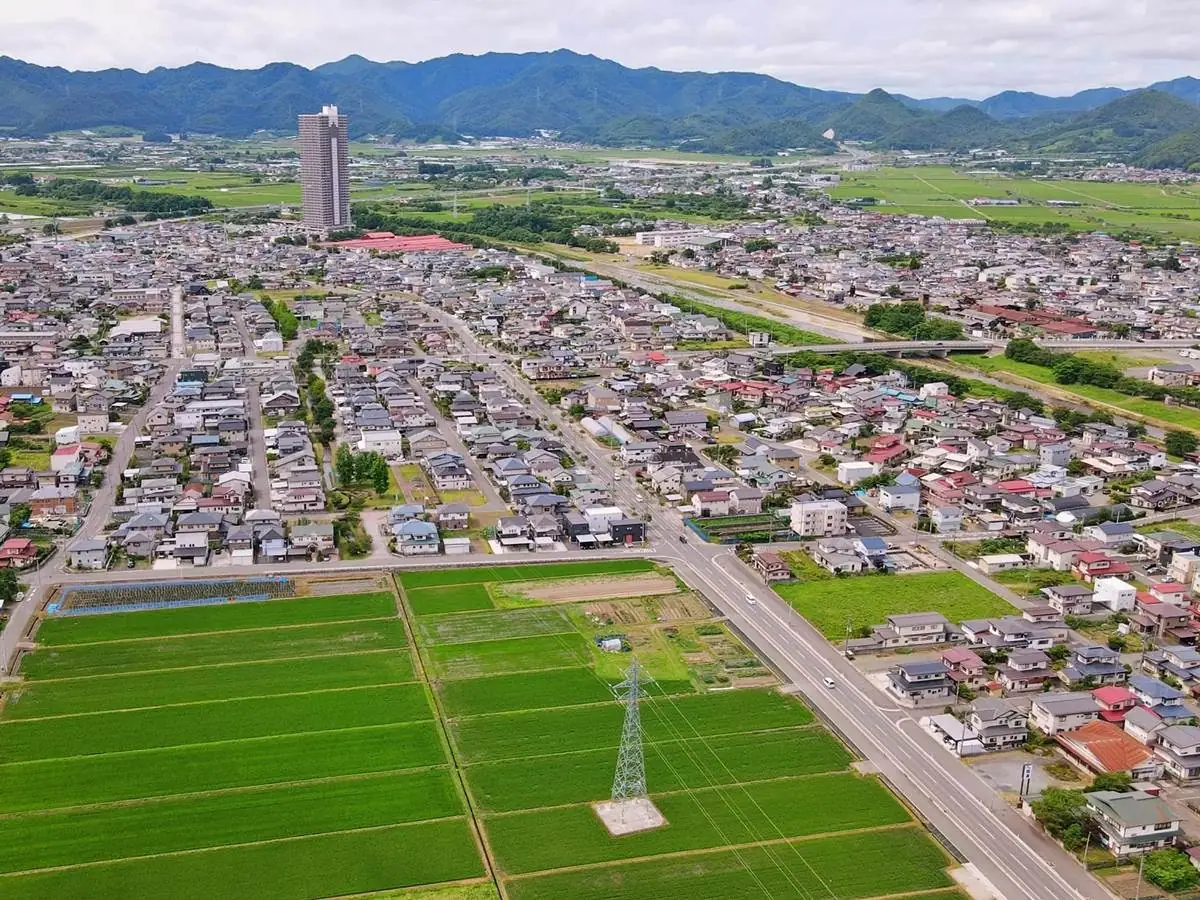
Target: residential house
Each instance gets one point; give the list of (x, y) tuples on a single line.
[(1054, 713), (999, 724), (920, 683), (1133, 822), (770, 565), (1178, 749), (1102, 747), (89, 553), (18, 553)]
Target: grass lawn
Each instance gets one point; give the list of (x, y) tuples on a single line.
[(1179, 526), (868, 600), (38, 460), (1153, 411), (869, 864), (470, 497), (1030, 581)]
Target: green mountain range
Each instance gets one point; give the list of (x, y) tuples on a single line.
[(586, 98)]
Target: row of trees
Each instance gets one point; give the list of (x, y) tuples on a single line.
[(356, 469), (285, 319), (1068, 368), (910, 320), (86, 190)]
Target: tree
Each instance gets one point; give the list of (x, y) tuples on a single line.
[(344, 463), (18, 515), (725, 454), (1181, 443), (9, 585), (1058, 810), (1112, 781), (1170, 870)]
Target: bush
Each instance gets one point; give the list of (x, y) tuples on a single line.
[(1170, 870)]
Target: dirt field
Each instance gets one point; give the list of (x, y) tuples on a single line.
[(344, 586), (580, 589)]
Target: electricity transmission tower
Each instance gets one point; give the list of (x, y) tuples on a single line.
[(629, 782)]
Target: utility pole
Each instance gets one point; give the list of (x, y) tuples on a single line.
[(1141, 865)]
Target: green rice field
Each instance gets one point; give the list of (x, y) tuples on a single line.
[(1172, 211), (304, 747), (283, 748), (529, 711)]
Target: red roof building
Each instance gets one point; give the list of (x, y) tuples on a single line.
[(1114, 701), (386, 242)]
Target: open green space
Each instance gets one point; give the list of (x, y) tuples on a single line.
[(586, 776), (1169, 211), (325, 865), (1153, 411), (53, 784), (868, 864), (458, 598), (250, 679), (540, 572), (1179, 526), (23, 740), (762, 811), (522, 734), (834, 604), (512, 623), (89, 629), (154, 654), (186, 823), (481, 658)]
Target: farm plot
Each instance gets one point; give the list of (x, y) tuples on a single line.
[(870, 864), (868, 600), (188, 651), (449, 599), (23, 740), (515, 623), (280, 748), (763, 811), (523, 689), (576, 590), (479, 658), (143, 689), (586, 776), (90, 629), (531, 733), (498, 574)]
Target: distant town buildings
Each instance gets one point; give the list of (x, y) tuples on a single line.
[(324, 169)]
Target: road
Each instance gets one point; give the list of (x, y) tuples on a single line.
[(1019, 863), (258, 446)]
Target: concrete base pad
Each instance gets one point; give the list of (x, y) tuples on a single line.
[(629, 816)]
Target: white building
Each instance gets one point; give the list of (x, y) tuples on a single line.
[(854, 472), (390, 443), (1114, 594), (818, 518)]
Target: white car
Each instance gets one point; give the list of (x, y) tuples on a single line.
[(750, 599), (828, 682)]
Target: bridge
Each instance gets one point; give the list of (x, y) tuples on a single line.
[(981, 345)]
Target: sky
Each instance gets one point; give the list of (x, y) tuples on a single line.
[(961, 48)]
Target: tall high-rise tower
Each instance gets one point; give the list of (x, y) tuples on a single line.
[(325, 169)]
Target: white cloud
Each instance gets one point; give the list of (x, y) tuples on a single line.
[(919, 47)]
